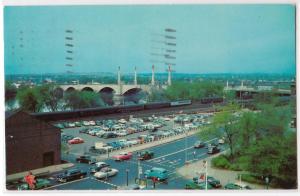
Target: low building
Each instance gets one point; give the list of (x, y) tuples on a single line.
[(30, 143)]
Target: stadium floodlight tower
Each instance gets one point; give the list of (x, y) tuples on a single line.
[(165, 50), (69, 49)]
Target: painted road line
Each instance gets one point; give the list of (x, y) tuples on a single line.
[(57, 185), (178, 151), (104, 182)]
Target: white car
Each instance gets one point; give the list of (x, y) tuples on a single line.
[(86, 123), (122, 133), (100, 133), (106, 172), (92, 123), (123, 121), (132, 142)]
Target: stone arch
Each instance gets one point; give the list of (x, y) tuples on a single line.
[(87, 88), (107, 90), (132, 91), (70, 89)]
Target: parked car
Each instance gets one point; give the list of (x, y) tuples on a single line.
[(40, 183), (98, 167), (213, 150), (106, 172), (70, 175), (85, 159), (109, 135), (199, 144), (92, 123), (145, 155), (221, 141), (211, 180), (159, 173), (122, 156), (197, 185), (214, 182), (236, 186), (76, 140)]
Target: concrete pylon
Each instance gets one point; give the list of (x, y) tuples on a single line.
[(152, 80), (242, 84), (227, 84), (119, 76), (169, 76), (135, 76)]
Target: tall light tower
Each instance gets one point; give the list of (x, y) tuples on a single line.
[(135, 77), (119, 76), (69, 44), (164, 49), (152, 79)]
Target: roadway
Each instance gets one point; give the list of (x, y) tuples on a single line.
[(169, 156)]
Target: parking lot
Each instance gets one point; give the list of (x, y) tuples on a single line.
[(169, 155), (126, 133)]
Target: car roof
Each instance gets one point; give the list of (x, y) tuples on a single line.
[(158, 169)]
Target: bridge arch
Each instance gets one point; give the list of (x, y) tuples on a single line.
[(132, 91), (70, 89), (107, 90), (87, 88)]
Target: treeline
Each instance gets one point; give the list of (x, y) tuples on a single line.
[(260, 142), (186, 90), (49, 97)]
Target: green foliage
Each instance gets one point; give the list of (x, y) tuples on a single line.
[(50, 95), (30, 99), (10, 90), (221, 162), (84, 99), (225, 124), (193, 91), (157, 95)]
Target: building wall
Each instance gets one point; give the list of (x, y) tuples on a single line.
[(27, 139)]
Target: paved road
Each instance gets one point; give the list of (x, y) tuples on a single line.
[(169, 156)]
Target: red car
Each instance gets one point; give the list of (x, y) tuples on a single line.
[(76, 140), (122, 156)]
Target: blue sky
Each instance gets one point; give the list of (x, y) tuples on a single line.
[(210, 38)]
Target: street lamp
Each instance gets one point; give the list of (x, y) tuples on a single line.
[(127, 170)]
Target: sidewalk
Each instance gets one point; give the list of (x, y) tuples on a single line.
[(225, 176), (148, 145), (40, 171)]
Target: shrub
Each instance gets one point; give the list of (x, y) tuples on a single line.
[(221, 162)]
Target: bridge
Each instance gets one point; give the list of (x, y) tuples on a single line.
[(120, 89), (242, 90)]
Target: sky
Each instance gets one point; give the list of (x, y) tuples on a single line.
[(209, 38)]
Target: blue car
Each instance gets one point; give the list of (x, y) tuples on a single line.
[(159, 173)]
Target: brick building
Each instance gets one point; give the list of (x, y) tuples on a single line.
[(30, 143)]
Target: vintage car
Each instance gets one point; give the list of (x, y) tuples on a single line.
[(122, 156), (85, 159), (105, 173), (145, 155), (200, 184), (76, 140), (40, 183), (236, 186), (158, 173), (70, 175)]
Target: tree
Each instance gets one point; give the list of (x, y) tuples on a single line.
[(10, 90), (29, 99), (225, 123), (51, 96), (84, 99)]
